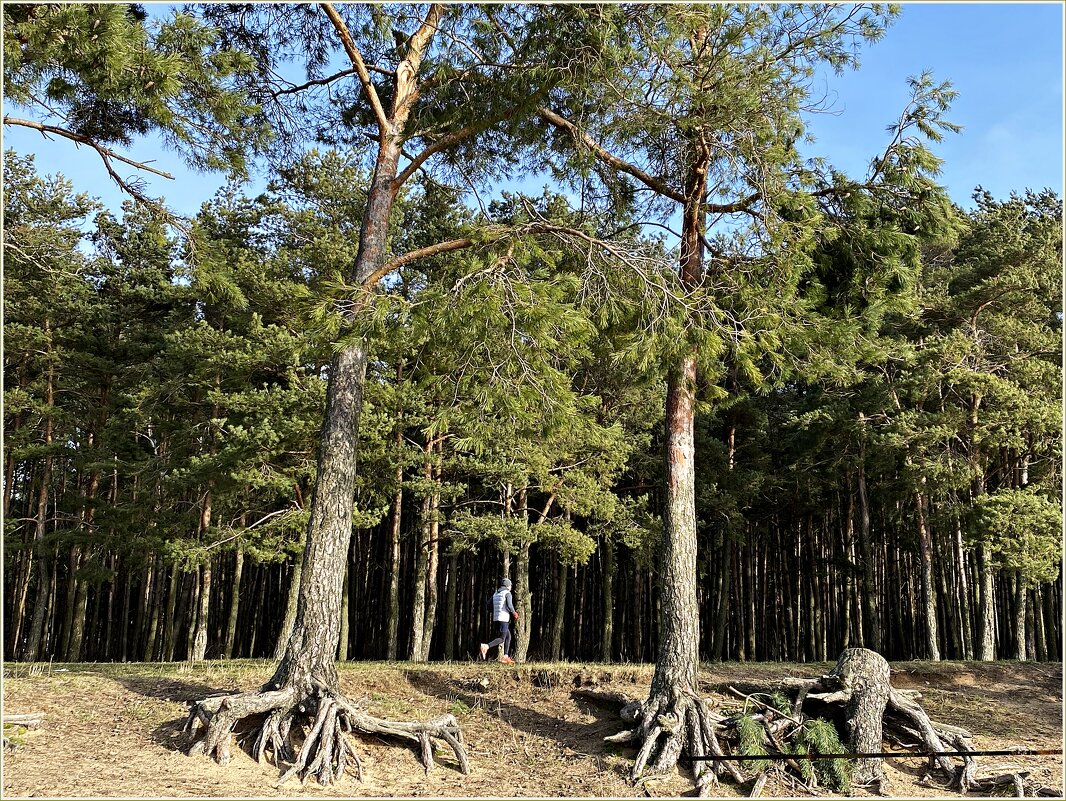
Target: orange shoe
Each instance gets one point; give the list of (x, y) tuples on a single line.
[(506, 660)]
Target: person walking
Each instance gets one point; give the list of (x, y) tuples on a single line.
[(502, 611)]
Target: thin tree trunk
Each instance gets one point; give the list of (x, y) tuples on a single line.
[(871, 618), (45, 569), (1019, 617), (289, 620), (925, 552), (962, 579), (432, 569), (199, 647), (418, 610), (560, 611), (450, 600), (170, 630), (986, 640), (235, 599), (607, 634), (394, 553)]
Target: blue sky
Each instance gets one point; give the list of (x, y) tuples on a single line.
[(1004, 59)]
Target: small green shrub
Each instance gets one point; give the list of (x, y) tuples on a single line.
[(750, 735), (820, 737)]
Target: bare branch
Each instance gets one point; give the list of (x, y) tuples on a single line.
[(293, 89), (443, 143), (106, 153), (415, 255)]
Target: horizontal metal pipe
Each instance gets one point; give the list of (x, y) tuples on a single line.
[(876, 755)]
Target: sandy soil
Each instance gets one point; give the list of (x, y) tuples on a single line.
[(115, 730)]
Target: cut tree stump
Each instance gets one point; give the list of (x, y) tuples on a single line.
[(873, 709), (856, 696)]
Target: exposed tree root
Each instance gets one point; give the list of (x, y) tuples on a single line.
[(322, 718), (856, 695), (667, 730)]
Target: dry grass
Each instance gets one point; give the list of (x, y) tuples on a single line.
[(115, 730)]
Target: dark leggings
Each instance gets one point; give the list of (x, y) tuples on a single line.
[(504, 638)]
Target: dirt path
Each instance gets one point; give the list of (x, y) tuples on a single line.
[(115, 730)]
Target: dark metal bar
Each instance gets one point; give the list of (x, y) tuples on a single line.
[(877, 755)]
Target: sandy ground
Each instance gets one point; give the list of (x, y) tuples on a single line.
[(115, 730)]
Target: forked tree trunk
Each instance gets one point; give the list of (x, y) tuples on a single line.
[(305, 682)]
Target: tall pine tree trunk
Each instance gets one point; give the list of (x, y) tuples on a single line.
[(393, 624), (418, 610), (607, 634), (451, 597), (199, 646), (986, 638), (432, 569), (559, 620), (1020, 651)]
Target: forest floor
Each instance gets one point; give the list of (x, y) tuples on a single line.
[(115, 730)]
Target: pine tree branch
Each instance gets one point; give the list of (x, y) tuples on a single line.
[(360, 67), (607, 157), (293, 89), (407, 90)]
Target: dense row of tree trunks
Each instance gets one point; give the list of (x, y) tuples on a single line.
[(146, 609), (862, 569)]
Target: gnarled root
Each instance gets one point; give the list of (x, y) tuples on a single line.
[(669, 731), (325, 753), (905, 714)]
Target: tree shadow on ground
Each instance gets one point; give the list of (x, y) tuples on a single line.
[(582, 738), (170, 734)]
